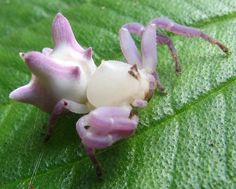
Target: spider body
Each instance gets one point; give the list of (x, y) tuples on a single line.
[(111, 83), (66, 79)]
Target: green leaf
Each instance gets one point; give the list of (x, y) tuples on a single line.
[(186, 139)]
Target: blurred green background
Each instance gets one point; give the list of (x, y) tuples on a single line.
[(186, 139)]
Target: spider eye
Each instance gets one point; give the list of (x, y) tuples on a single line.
[(86, 127)]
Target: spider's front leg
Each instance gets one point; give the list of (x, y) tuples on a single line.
[(138, 29), (148, 60), (104, 126)]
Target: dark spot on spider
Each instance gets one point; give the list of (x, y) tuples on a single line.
[(86, 127), (148, 95), (133, 112), (65, 103), (134, 72), (22, 55)]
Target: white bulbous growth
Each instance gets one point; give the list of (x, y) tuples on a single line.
[(113, 85), (73, 88)]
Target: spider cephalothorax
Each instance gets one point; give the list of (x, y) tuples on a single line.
[(65, 78)]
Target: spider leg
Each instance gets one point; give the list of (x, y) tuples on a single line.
[(149, 53), (162, 39), (169, 25), (104, 126), (60, 107), (129, 48), (139, 103), (91, 153), (138, 29), (158, 83), (148, 47)]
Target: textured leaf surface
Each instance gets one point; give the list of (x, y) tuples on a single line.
[(186, 139)]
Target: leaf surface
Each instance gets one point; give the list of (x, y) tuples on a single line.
[(186, 139)]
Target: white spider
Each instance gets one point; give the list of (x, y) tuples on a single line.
[(66, 78)]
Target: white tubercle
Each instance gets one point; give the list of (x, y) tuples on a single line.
[(113, 85), (72, 88)]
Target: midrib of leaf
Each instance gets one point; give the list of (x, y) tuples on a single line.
[(177, 112)]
